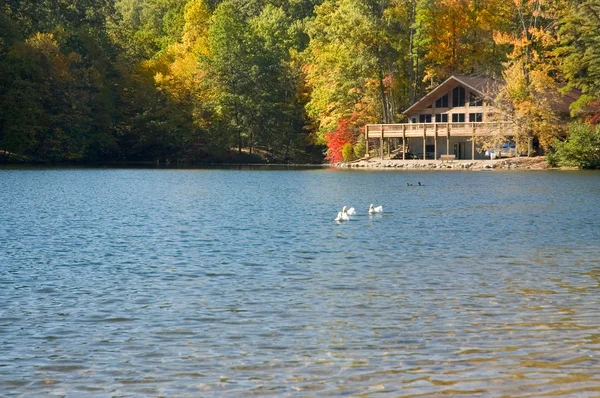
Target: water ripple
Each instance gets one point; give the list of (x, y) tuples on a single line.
[(238, 283)]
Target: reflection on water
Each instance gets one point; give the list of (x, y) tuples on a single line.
[(213, 282)]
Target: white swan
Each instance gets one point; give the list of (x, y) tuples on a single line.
[(378, 209), (349, 211), (342, 217)]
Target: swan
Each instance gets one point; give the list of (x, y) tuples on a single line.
[(349, 211), (342, 217), (378, 209)]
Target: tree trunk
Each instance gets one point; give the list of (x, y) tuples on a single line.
[(391, 100), (384, 102), (251, 143), (411, 66)]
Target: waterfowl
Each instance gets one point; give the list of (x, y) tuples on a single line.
[(378, 209), (342, 217), (349, 211), (409, 184)]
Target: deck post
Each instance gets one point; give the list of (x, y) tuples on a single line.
[(424, 141), (448, 139), (435, 138), (381, 143), (404, 142), (389, 148), (473, 141), (367, 140)]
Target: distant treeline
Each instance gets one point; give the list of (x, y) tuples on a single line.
[(270, 80)]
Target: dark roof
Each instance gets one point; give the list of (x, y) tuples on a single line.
[(565, 100)]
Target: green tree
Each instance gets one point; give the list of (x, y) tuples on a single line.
[(580, 51), (580, 149), (231, 71), (350, 63), (144, 28), (48, 102)]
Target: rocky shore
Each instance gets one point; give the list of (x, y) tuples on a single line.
[(519, 163)]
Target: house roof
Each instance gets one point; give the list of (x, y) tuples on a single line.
[(486, 87), (478, 84), (565, 100)]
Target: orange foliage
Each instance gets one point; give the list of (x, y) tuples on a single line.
[(594, 108), (343, 134)]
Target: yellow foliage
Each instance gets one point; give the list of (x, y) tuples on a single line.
[(459, 35), (178, 71), (43, 42), (528, 100), (195, 30)]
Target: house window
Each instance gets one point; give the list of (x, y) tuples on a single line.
[(458, 117), (425, 118), (474, 100), (458, 96), (414, 119), (441, 118), (442, 102), (475, 117)]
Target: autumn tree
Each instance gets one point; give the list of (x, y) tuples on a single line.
[(353, 63), (457, 36), (55, 75), (530, 92), (339, 140)]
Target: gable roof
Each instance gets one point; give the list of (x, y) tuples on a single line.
[(478, 84), (486, 87)]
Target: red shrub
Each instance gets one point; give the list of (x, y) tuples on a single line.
[(336, 139)]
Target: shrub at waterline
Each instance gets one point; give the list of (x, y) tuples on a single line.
[(360, 148), (348, 152), (580, 149)]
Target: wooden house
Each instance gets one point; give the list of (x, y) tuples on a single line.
[(448, 120)]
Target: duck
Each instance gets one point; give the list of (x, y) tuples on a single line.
[(378, 209), (349, 211), (342, 217), (408, 184)]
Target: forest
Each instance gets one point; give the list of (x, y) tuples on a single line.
[(282, 81)]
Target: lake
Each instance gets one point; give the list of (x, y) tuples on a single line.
[(128, 282)]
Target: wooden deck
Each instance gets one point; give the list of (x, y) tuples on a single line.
[(439, 133), (415, 130)]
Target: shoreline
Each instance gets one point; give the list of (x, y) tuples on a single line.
[(517, 163)]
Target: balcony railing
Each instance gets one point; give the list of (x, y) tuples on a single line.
[(462, 129)]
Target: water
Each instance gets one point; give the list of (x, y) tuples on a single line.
[(239, 283)]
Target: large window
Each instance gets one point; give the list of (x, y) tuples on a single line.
[(442, 102), (458, 117), (458, 96), (425, 118), (441, 118), (475, 117), (474, 100)]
